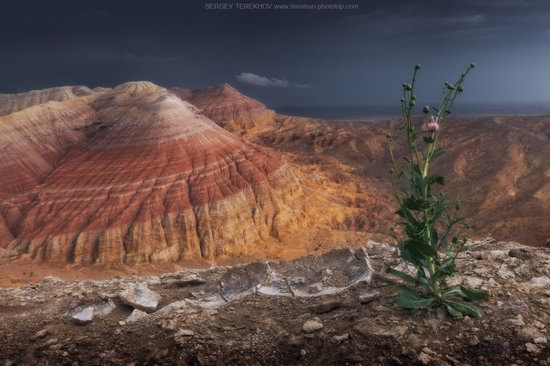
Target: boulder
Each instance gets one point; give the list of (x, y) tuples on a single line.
[(520, 253), (140, 297), (542, 281), (185, 333), (84, 316), (311, 326), (135, 316)]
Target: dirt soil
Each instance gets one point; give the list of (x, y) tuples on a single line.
[(335, 309)]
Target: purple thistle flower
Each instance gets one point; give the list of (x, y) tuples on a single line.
[(433, 126)]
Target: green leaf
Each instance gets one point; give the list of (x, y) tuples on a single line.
[(416, 259), (411, 299), (435, 237), (449, 250), (467, 309), (405, 277), (448, 221), (455, 291), (422, 279), (453, 312), (474, 295), (406, 214), (414, 231), (418, 247), (436, 179), (416, 204), (445, 269), (441, 205)]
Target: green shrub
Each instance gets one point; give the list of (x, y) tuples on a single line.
[(428, 229)]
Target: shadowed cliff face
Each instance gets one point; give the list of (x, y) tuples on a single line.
[(134, 174), (499, 166)]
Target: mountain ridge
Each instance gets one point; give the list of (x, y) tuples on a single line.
[(339, 164), (143, 177)]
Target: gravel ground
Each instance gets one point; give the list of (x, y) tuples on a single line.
[(336, 309)]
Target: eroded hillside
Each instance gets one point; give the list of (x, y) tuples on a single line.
[(132, 175), (499, 166)]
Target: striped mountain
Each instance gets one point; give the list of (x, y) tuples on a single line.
[(133, 174)]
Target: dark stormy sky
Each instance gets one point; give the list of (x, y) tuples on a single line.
[(283, 57)]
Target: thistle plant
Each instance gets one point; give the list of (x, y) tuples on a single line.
[(429, 229)]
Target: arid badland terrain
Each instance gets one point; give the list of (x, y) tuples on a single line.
[(141, 180)]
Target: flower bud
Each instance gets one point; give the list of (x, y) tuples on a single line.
[(417, 67), (426, 109), (412, 103), (408, 87), (413, 97), (460, 88), (472, 65)]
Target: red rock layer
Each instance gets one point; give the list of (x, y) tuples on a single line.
[(148, 178), (5, 234), (230, 109)]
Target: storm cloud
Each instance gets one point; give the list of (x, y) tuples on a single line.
[(351, 57)]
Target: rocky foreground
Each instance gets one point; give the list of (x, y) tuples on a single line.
[(331, 309)]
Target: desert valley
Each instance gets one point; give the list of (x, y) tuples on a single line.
[(141, 174), (224, 232)]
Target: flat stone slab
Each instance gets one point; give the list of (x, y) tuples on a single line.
[(308, 276), (318, 275), (240, 281), (140, 297), (84, 316)]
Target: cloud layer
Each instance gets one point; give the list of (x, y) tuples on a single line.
[(259, 80)]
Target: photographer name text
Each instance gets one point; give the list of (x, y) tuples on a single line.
[(272, 6)]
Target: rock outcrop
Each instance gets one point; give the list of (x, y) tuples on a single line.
[(135, 174)]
